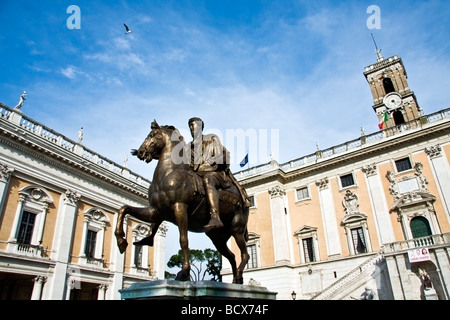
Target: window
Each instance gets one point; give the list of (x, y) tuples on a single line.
[(347, 180), (308, 249), (307, 244), (403, 164), (302, 193), (89, 250), (252, 201), (138, 256), (420, 227), (26, 228), (253, 261), (359, 242), (388, 85)]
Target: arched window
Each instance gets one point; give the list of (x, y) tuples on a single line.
[(398, 117), (420, 227), (388, 85)]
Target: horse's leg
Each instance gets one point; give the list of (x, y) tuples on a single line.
[(145, 214), (181, 219), (219, 238), (240, 234), (241, 241)]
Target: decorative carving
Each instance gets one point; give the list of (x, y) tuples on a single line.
[(408, 184), (276, 191), (71, 197), (5, 172), (322, 183), (142, 230), (433, 151), (350, 202), (162, 230), (370, 169)]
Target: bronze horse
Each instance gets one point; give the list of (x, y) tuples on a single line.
[(176, 195)]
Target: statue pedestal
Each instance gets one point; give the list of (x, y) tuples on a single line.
[(430, 294), (194, 290)]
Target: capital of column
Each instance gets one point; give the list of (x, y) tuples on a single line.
[(322, 183), (71, 197), (433, 151), (5, 172), (370, 170), (276, 191)]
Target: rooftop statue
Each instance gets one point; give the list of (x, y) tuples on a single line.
[(193, 188)]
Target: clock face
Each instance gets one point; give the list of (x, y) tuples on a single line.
[(392, 100)]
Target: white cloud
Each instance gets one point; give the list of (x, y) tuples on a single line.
[(70, 71)]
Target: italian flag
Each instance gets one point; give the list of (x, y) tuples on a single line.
[(383, 120)]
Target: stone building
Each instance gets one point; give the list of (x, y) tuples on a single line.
[(58, 201), (368, 218)]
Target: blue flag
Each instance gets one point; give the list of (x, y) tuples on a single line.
[(244, 161)]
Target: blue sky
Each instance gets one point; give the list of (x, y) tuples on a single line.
[(292, 67)]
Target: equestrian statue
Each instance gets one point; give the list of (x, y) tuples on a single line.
[(194, 189)]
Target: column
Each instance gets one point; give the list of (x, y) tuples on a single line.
[(117, 264), (42, 222), (15, 225), (62, 242), (84, 237), (279, 227), (5, 175), (102, 291), (329, 218), (441, 172), (159, 251), (37, 288), (379, 206), (395, 279)]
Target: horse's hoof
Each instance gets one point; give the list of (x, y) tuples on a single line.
[(122, 244)]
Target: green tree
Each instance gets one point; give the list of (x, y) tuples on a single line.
[(203, 263)]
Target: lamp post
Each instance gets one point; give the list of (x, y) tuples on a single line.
[(293, 295)]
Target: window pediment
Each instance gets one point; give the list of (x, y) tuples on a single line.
[(36, 194), (412, 199), (353, 218), (305, 231)]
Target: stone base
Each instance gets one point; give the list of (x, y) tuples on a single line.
[(194, 290)]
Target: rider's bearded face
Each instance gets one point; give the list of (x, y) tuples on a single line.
[(196, 128)]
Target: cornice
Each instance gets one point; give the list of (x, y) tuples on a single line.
[(369, 150), (67, 161)]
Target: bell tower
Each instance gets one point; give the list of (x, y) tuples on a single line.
[(394, 102)]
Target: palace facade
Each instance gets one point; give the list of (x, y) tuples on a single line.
[(366, 219), (58, 205)]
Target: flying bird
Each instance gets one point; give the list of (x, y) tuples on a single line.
[(127, 29)]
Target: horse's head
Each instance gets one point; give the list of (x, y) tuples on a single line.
[(157, 139)]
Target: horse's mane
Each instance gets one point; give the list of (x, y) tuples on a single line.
[(174, 132)]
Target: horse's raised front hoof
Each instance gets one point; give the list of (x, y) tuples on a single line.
[(122, 244), (182, 276)]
